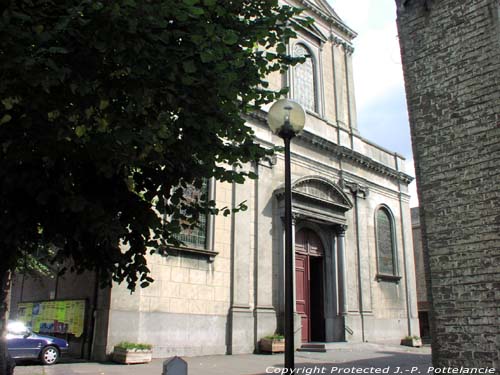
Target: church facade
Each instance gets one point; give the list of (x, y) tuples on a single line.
[(354, 269), (354, 276)]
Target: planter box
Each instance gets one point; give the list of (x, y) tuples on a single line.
[(130, 356), (416, 343), (272, 345)]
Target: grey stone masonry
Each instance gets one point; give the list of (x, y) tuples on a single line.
[(451, 60)]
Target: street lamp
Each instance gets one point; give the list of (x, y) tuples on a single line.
[(286, 118)]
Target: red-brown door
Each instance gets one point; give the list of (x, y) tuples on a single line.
[(302, 294), (309, 303)]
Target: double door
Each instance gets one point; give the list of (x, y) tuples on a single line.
[(309, 281)]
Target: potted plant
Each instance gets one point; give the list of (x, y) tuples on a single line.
[(129, 352), (273, 343), (413, 341)]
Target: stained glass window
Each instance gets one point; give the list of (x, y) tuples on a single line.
[(303, 79), (385, 243), (195, 236)]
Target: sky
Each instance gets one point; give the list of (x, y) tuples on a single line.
[(378, 76)]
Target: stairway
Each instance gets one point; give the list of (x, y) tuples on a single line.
[(313, 348)]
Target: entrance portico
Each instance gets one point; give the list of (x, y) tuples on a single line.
[(319, 207)]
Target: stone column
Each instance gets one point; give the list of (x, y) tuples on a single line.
[(331, 294), (265, 287), (241, 333), (342, 269), (351, 102)]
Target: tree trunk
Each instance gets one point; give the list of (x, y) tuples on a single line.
[(6, 367)]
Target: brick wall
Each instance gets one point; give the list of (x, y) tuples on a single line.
[(451, 58)]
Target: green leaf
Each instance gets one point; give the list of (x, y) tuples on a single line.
[(206, 56), (80, 131), (197, 11), (9, 102), (230, 37), (58, 50), (103, 104), (52, 115), (5, 119), (281, 48), (38, 29), (189, 66)]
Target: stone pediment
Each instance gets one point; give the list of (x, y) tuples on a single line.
[(318, 199), (320, 188), (324, 10), (323, 6), (314, 31)]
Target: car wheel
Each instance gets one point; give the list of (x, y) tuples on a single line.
[(49, 355)]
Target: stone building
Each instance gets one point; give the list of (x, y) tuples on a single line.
[(354, 265), (451, 59)]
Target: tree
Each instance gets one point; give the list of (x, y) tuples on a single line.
[(109, 109)]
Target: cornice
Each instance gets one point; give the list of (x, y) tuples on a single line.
[(347, 154), (341, 152)]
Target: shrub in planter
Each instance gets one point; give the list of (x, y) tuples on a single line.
[(273, 343), (129, 352), (413, 341)]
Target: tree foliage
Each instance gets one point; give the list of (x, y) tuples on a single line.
[(109, 108)]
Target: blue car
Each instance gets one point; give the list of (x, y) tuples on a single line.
[(22, 343)]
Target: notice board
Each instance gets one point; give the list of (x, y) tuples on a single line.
[(62, 316)]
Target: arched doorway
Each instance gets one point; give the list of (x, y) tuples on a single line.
[(309, 266)]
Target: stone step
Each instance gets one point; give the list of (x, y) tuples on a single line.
[(314, 348)]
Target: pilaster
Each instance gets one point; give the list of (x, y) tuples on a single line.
[(241, 324)]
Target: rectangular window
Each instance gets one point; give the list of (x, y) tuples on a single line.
[(195, 236)]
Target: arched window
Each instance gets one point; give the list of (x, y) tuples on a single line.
[(386, 244), (304, 90)]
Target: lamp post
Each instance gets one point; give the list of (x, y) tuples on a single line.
[(286, 118)]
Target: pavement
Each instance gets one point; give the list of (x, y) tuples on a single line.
[(339, 359)]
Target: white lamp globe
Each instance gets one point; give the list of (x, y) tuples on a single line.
[(286, 116)]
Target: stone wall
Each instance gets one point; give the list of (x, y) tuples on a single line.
[(27, 287), (451, 58)]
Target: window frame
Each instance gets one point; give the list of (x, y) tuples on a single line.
[(208, 249), (293, 72), (383, 276)]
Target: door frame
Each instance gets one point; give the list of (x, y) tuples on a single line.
[(303, 304)]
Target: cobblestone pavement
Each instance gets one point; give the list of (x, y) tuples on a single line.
[(341, 358)]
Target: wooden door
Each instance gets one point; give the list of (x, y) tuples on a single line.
[(309, 251), (302, 294)]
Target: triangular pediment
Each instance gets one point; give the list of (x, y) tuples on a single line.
[(323, 6), (314, 31), (323, 9)]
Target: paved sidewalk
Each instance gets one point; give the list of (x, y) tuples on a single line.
[(341, 358)]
